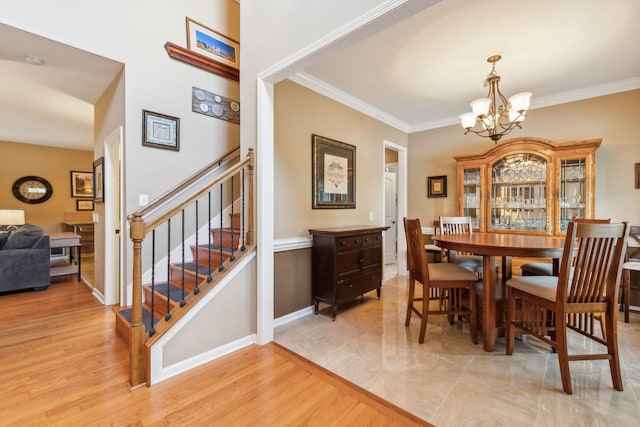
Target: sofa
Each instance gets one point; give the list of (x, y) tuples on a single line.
[(24, 259)]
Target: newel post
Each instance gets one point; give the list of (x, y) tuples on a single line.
[(137, 356), (250, 237)]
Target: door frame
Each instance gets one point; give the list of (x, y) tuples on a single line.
[(113, 214), (401, 179)]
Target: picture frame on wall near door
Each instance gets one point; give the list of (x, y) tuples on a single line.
[(98, 180)]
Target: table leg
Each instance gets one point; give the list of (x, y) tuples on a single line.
[(488, 302)]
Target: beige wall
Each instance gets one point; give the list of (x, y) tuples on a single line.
[(54, 165), (299, 113), (613, 118)]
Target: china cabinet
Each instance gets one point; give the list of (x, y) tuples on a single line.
[(528, 185)]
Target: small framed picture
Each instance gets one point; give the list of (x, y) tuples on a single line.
[(160, 131), (210, 43), (98, 180), (637, 175), (81, 184), (437, 186), (84, 205)]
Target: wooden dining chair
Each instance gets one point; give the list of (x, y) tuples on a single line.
[(460, 225), (549, 305), (632, 263), (448, 284), (546, 268)]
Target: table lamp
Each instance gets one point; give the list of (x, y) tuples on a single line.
[(11, 218)]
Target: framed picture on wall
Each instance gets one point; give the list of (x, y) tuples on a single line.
[(81, 184), (160, 131), (84, 205), (98, 180), (333, 174), (637, 175), (213, 44), (437, 186)]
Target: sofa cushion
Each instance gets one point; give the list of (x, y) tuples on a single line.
[(3, 238), (24, 237)]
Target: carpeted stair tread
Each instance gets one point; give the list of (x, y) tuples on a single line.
[(165, 289), (218, 247), (146, 317), (196, 268)]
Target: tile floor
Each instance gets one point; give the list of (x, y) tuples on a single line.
[(449, 381)]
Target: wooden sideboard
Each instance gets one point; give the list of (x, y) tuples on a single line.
[(346, 262)]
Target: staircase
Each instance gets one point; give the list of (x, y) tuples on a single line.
[(184, 278)]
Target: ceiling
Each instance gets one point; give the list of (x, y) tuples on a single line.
[(418, 74), (50, 104)]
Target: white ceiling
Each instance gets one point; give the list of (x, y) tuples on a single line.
[(418, 74), (422, 72), (50, 104)]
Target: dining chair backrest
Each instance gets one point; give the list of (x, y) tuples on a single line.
[(416, 255), (536, 268), (456, 225), (592, 276)]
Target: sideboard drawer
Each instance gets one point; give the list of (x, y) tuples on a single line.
[(372, 240), (349, 243), (349, 289)]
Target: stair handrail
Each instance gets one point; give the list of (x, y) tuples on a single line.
[(144, 220), (172, 193)]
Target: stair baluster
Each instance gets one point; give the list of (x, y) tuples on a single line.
[(196, 290), (221, 266), (182, 301), (167, 315), (152, 329)]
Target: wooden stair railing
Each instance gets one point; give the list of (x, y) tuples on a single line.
[(185, 277)]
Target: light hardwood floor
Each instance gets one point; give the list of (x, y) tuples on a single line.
[(62, 364)]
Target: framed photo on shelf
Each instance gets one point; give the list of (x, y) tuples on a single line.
[(160, 131), (81, 184), (437, 186), (210, 43), (333, 174), (98, 180), (84, 205)]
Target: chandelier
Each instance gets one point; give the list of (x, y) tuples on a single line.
[(490, 119)]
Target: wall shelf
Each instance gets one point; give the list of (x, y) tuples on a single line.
[(200, 61)]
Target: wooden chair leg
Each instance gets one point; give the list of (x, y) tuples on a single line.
[(423, 320), (412, 289), (626, 293), (511, 329), (614, 360), (563, 354), (473, 317)]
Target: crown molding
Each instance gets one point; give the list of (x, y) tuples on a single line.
[(324, 88), (548, 101)]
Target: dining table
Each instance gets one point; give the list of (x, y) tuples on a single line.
[(506, 246)]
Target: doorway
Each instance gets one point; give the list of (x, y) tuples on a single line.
[(395, 207), (113, 282)]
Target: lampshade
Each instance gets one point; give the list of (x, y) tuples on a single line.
[(520, 101), (11, 217), (480, 106)]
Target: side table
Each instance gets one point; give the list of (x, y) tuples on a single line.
[(66, 240)]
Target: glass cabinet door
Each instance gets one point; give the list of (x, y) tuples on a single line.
[(519, 193), (572, 191), (471, 195)]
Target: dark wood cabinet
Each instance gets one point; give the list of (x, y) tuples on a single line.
[(345, 263)]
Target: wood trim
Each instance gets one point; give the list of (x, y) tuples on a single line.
[(200, 61)]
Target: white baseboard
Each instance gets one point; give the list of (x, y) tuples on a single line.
[(280, 321)]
